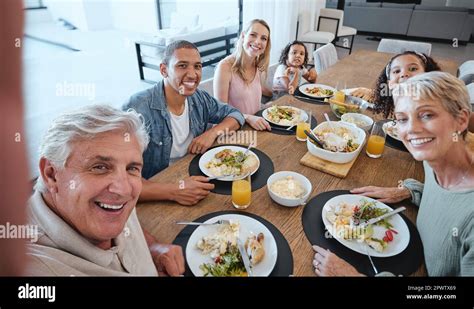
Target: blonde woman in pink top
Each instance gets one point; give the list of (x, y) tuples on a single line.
[(239, 81)]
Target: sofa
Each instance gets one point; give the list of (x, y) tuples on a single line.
[(431, 21)]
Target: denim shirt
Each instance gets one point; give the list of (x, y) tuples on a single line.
[(151, 103)]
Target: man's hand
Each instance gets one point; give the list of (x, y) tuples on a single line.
[(168, 259), (327, 264), (202, 143), (191, 190), (258, 123)]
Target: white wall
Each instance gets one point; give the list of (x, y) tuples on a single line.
[(72, 11), (134, 15), (129, 15), (209, 11)]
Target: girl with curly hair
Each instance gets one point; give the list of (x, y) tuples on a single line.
[(292, 69)]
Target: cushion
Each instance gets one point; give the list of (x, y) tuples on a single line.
[(317, 37), (439, 8), (409, 6), (346, 31), (198, 36), (362, 4), (434, 2)]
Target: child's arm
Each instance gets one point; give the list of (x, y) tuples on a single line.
[(294, 81), (311, 75)]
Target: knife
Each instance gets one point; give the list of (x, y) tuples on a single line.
[(289, 132), (388, 214), (309, 99), (245, 257)]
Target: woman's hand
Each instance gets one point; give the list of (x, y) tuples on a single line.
[(327, 264), (258, 123), (384, 194)]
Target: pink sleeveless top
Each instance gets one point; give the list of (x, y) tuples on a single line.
[(245, 97)]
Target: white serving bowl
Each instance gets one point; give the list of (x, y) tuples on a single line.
[(337, 157), (351, 117), (285, 201)]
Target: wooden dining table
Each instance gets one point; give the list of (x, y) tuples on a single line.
[(359, 69)]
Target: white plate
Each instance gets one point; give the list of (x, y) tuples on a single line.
[(248, 226), (400, 240), (303, 114), (389, 128), (306, 86), (209, 155)]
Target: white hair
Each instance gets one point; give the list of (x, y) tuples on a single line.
[(86, 123)]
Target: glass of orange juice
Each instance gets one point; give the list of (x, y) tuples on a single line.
[(339, 95), (376, 142), (301, 126), (242, 192)]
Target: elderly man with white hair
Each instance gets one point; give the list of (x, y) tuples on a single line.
[(85, 197)]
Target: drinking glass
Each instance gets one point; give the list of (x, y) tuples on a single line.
[(242, 191), (339, 95), (301, 126), (376, 142)]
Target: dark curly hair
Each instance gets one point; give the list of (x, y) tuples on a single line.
[(286, 51), (383, 100)]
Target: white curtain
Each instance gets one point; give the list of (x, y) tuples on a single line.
[(281, 16)]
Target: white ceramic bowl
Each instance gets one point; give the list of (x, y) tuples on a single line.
[(289, 202), (338, 157), (360, 118)]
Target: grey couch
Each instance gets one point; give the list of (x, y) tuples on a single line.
[(423, 21)]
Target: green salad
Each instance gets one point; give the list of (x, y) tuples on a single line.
[(228, 264)]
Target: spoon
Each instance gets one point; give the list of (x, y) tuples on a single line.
[(329, 121)]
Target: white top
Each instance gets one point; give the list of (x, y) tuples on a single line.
[(279, 85), (182, 135)]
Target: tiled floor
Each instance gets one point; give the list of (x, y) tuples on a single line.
[(104, 71), (459, 54)]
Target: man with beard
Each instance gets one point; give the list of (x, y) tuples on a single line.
[(177, 114)]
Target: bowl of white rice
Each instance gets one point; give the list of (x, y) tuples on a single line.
[(289, 188)]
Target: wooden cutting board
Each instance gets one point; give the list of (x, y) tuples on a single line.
[(335, 169)]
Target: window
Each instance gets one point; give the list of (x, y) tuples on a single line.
[(33, 4)]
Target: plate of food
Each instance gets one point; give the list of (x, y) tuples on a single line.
[(284, 115), (318, 91), (344, 215), (228, 162), (212, 249), (390, 128)]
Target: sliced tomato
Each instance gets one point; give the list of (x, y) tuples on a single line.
[(389, 235)]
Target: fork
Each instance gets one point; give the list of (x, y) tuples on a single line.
[(241, 158), (202, 223), (370, 258)]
